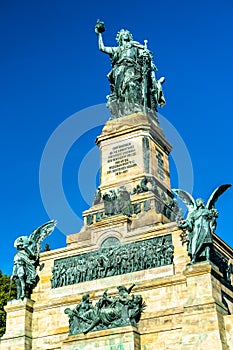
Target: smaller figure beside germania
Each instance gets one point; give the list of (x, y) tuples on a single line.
[(133, 83), (26, 260), (200, 223)]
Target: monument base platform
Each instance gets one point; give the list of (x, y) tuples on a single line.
[(120, 338)]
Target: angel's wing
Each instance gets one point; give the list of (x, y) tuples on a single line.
[(39, 234), (217, 193), (186, 198)]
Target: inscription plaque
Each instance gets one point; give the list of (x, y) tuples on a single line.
[(121, 158)]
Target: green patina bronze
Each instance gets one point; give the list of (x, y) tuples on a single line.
[(117, 203), (168, 208), (122, 310), (137, 208), (133, 83), (142, 187), (146, 154), (26, 260), (113, 259), (200, 223)]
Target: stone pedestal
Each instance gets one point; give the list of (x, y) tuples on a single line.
[(134, 156), (131, 147), (203, 319), (121, 338), (18, 334), (229, 330)]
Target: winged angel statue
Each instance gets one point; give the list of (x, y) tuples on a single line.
[(200, 222), (26, 260)]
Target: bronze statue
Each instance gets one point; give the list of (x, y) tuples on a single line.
[(26, 260), (122, 310), (200, 223), (117, 203), (133, 82), (113, 261)]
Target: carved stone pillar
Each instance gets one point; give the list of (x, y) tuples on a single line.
[(203, 320), (18, 334)]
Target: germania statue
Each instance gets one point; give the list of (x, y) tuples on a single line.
[(133, 83), (200, 223), (26, 260)]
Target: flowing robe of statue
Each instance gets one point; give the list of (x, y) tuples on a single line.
[(200, 222), (25, 265), (26, 260), (133, 83), (201, 226)]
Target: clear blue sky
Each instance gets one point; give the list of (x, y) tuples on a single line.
[(50, 68)]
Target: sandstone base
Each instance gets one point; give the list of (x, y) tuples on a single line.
[(18, 334), (122, 338)]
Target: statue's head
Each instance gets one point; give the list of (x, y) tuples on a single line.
[(123, 35), (68, 311), (200, 203), (20, 242), (122, 289), (86, 297)]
